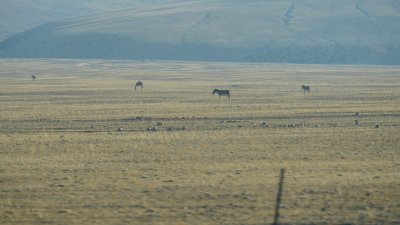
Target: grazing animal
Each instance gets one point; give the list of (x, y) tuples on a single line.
[(306, 88), (139, 84), (34, 77), (222, 93)]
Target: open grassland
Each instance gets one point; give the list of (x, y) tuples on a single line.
[(184, 156)]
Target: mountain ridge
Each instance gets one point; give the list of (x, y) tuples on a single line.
[(21, 15), (298, 31)]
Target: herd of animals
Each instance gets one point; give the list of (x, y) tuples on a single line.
[(220, 93)]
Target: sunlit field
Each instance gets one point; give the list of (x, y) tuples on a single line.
[(79, 145)]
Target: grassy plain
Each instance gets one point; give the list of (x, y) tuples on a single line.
[(184, 156)]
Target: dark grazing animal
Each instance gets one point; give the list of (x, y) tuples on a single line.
[(222, 93), (139, 84), (34, 77), (306, 88)]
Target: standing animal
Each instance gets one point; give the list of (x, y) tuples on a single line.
[(306, 88), (222, 93), (139, 84), (34, 77)]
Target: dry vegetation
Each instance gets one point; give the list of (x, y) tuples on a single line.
[(185, 157)]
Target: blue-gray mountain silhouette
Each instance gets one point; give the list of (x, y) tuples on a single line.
[(295, 31)]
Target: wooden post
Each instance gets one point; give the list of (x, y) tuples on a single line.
[(279, 196)]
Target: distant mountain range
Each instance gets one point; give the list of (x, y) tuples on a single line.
[(21, 15), (289, 31)]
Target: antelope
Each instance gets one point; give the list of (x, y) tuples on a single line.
[(222, 93), (306, 88), (139, 84)]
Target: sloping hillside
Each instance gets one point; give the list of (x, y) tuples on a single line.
[(20, 15), (297, 31)]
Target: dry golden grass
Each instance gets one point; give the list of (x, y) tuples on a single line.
[(63, 161)]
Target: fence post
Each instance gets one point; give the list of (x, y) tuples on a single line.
[(279, 196)]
